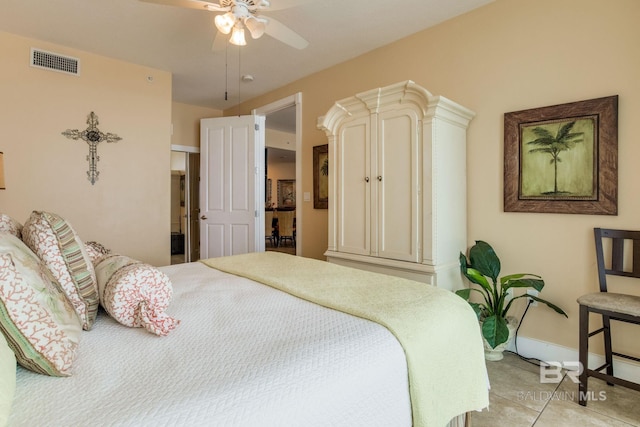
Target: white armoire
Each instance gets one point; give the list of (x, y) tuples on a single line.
[(397, 183)]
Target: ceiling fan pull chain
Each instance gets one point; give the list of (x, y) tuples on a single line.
[(226, 71), (239, 74)]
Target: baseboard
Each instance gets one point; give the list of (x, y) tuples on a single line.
[(549, 352)]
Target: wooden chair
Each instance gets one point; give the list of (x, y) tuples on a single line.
[(268, 227), (612, 306), (287, 220)]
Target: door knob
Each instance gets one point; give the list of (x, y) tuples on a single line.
[(203, 217), (366, 179), (380, 178)]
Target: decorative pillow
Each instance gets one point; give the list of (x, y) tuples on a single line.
[(95, 251), (36, 317), (56, 243), (135, 294), (7, 380), (10, 225)]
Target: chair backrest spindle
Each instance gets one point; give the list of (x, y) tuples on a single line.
[(636, 258), (619, 239)]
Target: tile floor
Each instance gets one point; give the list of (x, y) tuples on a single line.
[(286, 249), (518, 399), (177, 259)]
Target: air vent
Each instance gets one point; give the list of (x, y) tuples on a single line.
[(55, 62)]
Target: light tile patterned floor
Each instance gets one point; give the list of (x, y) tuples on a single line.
[(291, 250), (518, 399)]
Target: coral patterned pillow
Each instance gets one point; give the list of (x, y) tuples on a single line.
[(56, 243), (10, 225), (36, 318), (135, 294), (95, 251)]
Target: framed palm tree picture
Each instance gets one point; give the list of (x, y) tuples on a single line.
[(321, 176), (562, 158)]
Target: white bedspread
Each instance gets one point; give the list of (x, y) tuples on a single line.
[(244, 355)]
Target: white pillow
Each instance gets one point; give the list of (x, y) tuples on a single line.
[(135, 294), (56, 243), (37, 320), (7, 380)]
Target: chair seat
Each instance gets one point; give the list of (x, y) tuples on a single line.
[(619, 303)]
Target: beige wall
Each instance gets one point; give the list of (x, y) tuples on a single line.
[(507, 56), (185, 120), (128, 207)]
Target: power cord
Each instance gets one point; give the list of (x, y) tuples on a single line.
[(531, 360)]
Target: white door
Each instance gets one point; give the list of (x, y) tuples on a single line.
[(231, 187)]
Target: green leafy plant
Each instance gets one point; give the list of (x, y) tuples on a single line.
[(483, 269)]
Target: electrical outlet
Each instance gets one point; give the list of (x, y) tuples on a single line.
[(533, 292), (509, 296)]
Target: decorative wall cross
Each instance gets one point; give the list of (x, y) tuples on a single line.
[(92, 136)]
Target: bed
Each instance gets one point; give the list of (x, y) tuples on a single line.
[(252, 352)]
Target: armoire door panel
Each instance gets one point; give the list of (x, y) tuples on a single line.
[(398, 182), (355, 187)]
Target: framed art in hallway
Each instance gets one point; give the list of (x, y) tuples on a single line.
[(286, 193), (562, 158)]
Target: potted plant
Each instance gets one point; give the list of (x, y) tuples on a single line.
[(483, 269)]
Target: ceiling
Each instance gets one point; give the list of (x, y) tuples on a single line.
[(179, 40), (278, 155)]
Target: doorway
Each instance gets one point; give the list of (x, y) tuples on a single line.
[(280, 207), (283, 168), (185, 226)]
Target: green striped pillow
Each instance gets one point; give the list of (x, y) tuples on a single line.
[(56, 243)]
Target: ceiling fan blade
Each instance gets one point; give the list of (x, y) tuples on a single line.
[(189, 4), (279, 31), (285, 4)]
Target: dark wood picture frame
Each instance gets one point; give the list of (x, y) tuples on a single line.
[(182, 189), (562, 158), (268, 193), (321, 176), (286, 193)]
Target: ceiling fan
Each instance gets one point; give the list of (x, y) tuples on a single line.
[(236, 15)]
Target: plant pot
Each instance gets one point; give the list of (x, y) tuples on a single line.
[(495, 354)]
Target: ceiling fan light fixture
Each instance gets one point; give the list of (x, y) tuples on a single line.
[(237, 36), (256, 27), (224, 23)]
